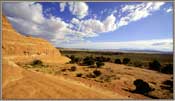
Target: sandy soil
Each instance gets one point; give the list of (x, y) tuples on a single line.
[(19, 83)]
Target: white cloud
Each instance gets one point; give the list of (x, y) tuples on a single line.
[(75, 21), (79, 9), (54, 28), (62, 6), (109, 23), (27, 18), (169, 10), (166, 45), (92, 27), (138, 11), (114, 11), (24, 10)]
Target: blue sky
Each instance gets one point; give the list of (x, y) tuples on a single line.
[(110, 25)]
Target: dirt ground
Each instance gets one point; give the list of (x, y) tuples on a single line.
[(56, 81)]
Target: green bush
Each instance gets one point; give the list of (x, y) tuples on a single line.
[(79, 74), (142, 87), (97, 73), (88, 61), (126, 60), (37, 63), (168, 85), (168, 69), (102, 59), (74, 59), (118, 61), (99, 64), (155, 65)]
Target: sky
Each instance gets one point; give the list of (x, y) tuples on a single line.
[(96, 25)]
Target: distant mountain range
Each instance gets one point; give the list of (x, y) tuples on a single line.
[(124, 50)]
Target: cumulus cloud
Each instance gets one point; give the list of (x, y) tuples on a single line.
[(62, 6), (27, 18), (24, 10), (169, 10), (30, 20), (136, 12), (79, 9), (93, 26)]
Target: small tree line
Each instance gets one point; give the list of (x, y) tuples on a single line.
[(97, 62)]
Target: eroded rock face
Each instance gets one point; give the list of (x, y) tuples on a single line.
[(15, 44)]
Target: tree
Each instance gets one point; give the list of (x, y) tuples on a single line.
[(168, 69), (88, 61), (74, 59), (99, 64), (155, 65), (118, 61), (126, 60)]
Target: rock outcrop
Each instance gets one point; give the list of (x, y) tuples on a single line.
[(15, 44)]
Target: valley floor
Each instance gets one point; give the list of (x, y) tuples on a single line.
[(53, 83)]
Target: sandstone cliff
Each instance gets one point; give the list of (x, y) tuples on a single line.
[(15, 44)]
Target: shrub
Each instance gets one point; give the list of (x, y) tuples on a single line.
[(73, 68), (168, 69), (126, 60), (37, 62), (168, 85), (168, 82), (88, 61), (74, 59), (102, 59), (142, 87), (97, 73), (117, 61), (155, 65), (99, 64), (79, 74), (77, 60)]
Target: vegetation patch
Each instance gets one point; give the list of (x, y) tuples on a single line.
[(99, 64), (155, 65), (37, 63), (79, 75), (97, 73), (168, 69), (142, 87), (118, 61), (126, 60)]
